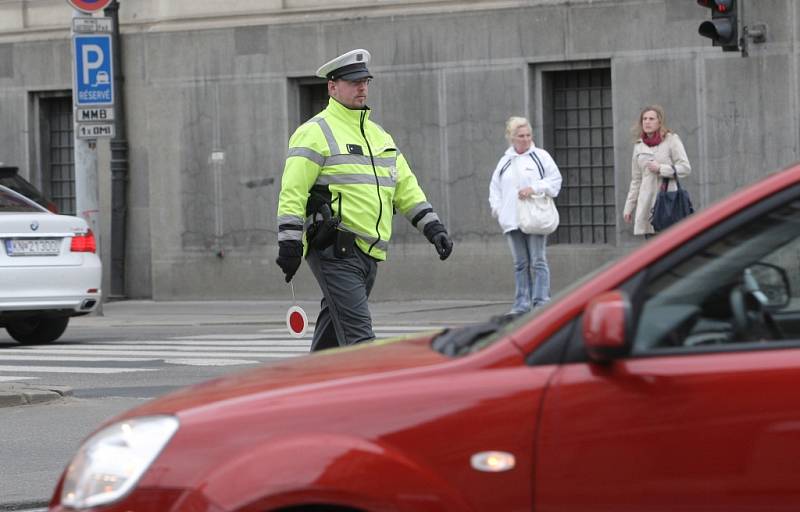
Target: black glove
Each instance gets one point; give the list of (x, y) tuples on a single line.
[(443, 244), (290, 254), (437, 235)]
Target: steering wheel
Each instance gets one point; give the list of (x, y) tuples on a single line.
[(750, 317)]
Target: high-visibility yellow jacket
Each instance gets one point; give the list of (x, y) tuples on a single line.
[(359, 163)]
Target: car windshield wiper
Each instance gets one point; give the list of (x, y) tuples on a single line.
[(454, 342)]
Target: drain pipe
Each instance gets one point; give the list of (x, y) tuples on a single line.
[(119, 164)]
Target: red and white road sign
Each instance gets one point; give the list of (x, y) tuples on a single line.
[(89, 6)]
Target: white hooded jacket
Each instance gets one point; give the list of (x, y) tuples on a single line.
[(516, 171)]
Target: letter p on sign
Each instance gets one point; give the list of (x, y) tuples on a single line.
[(92, 60)]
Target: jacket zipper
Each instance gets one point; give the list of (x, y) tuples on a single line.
[(377, 183)]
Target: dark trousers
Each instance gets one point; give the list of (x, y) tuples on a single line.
[(344, 317)]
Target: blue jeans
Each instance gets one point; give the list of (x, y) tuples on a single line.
[(531, 273)]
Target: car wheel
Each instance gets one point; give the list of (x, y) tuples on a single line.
[(37, 329)]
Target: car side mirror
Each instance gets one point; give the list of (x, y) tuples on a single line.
[(773, 282), (607, 326)]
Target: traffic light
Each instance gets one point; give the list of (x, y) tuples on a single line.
[(723, 27)]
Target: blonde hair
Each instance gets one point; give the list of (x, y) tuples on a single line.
[(636, 129), (514, 123)]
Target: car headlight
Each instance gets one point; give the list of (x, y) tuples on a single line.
[(109, 463)]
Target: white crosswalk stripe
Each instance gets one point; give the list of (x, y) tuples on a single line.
[(72, 369), (15, 379), (134, 356)]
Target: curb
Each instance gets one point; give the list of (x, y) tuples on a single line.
[(21, 394)]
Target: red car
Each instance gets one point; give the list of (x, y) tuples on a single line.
[(663, 382)]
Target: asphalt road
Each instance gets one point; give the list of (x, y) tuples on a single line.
[(141, 350)]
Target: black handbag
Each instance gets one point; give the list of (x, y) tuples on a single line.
[(670, 207)]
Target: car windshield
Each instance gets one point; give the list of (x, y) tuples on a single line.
[(12, 202), (472, 338)]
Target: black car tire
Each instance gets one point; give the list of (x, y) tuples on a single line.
[(38, 329)]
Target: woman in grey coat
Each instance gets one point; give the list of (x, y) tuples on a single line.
[(657, 153)]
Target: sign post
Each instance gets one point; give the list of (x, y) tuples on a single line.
[(93, 88)]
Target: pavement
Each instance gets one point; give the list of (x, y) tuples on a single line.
[(131, 313)]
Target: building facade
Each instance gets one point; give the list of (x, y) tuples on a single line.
[(212, 93)]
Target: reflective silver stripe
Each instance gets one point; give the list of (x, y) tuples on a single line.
[(359, 160), (386, 161), (307, 153), (413, 212), (290, 219), (382, 244), (326, 130), (290, 234), (429, 217), (354, 179)]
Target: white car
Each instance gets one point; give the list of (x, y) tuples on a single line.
[(49, 269)]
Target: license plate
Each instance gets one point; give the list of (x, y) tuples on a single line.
[(33, 246)]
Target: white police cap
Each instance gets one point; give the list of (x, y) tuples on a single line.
[(349, 66)]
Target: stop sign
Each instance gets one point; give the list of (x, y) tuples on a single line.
[(89, 6)]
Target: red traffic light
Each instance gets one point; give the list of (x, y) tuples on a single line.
[(722, 29), (717, 5)]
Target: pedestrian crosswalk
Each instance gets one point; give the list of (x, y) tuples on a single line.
[(26, 363)]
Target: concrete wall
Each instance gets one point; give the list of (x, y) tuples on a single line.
[(208, 95)]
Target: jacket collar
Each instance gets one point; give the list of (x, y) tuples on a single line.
[(347, 114), (511, 152)]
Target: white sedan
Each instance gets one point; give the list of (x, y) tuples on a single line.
[(49, 269)]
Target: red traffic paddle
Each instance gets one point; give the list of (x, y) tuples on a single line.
[(296, 319)]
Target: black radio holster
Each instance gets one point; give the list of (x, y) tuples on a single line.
[(321, 233), (345, 244)]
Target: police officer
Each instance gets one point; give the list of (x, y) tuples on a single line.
[(344, 177)]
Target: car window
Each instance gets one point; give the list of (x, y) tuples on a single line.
[(10, 202), (741, 289)]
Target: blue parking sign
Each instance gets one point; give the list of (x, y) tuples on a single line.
[(93, 73)]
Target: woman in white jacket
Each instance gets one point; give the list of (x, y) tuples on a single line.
[(522, 171)]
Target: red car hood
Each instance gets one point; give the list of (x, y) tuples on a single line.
[(302, 373)]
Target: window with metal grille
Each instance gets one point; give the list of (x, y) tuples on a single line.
[(308, 96), (578, 118), (57, 152), (313, 99)]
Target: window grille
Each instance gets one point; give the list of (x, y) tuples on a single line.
[(583, 148), (313, 99), (58, 179)]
